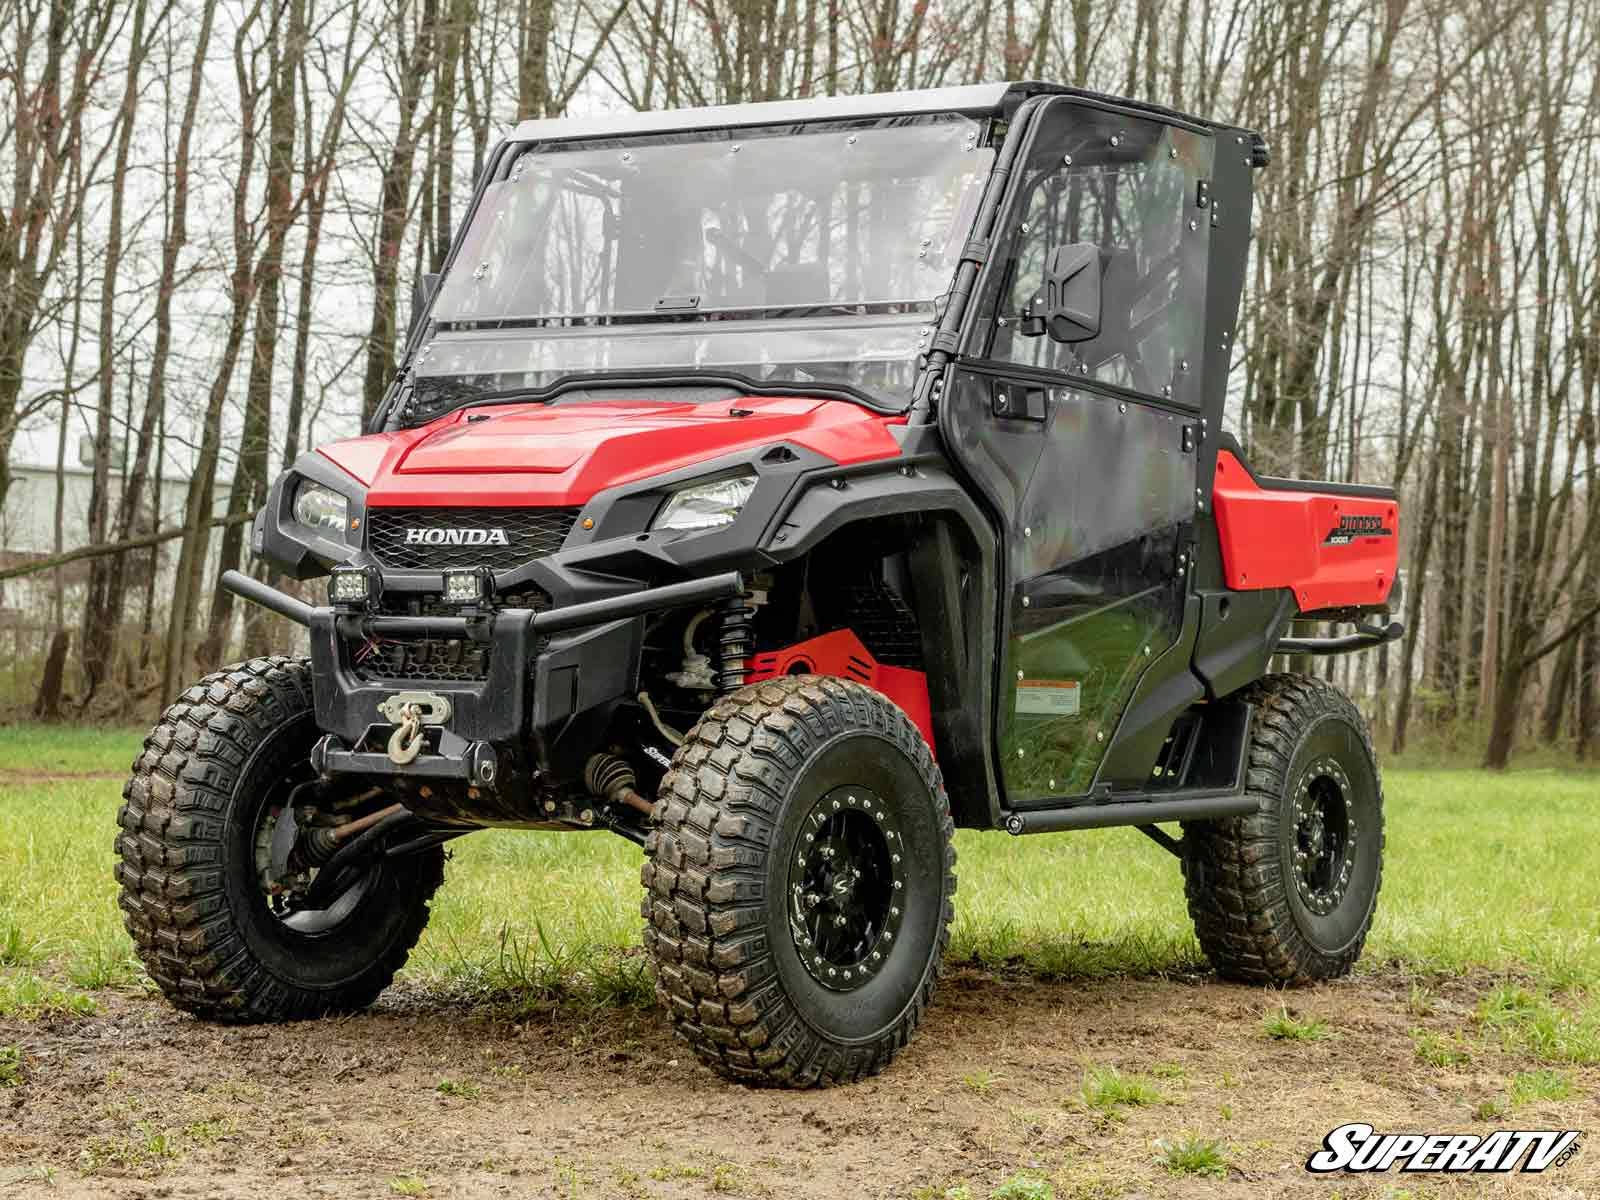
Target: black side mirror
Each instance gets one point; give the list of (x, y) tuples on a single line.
[(421, 296), (1068, 306)]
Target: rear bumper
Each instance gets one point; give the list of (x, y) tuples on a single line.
[(553, 681)]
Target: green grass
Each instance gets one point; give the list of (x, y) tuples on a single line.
[(11, 1073), (1108, 1090), (1193, 1155), (1530, 1087), (1024, 1187), (1439, 1050), (68, 750), (1283, 1026), (1535, 1023), (1527, 1087), (1483, 871), (29, 996), (981, 1081)]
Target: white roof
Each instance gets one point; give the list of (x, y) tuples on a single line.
[(975, 99)]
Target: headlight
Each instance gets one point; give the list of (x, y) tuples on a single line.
[(706, 505), (322, 508)]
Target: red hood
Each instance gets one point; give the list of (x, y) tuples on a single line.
[(537, 454)]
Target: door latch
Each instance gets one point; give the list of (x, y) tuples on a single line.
[(1020, 402)]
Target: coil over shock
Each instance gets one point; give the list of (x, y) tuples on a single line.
[(736, 641)]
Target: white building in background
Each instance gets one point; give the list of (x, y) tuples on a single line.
[(28, 534)]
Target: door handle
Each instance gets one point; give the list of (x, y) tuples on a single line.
[(1020, 402)]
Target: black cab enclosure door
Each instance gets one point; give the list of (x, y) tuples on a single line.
[(1076, 410)]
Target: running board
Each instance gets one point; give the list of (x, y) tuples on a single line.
[(1214, 785), (1170, 806)]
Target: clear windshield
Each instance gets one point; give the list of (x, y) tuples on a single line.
[(811, 253)]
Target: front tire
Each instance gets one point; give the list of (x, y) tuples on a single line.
[(800, 883), (1287, 894), (215, 771)]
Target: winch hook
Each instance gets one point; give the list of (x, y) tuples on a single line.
[(406, 742)]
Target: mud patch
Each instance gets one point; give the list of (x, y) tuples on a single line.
[(421, 1098)]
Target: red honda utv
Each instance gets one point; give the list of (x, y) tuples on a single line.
[(781, 487)]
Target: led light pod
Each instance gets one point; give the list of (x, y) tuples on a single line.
[(352, 586), (471, 585)]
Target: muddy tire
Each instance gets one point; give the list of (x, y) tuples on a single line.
[(799, 883), (1286, 894), (230, 749)]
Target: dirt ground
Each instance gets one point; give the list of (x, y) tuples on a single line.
[(415, 1098)]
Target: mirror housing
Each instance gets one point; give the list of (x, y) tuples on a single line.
[(1068, 306)]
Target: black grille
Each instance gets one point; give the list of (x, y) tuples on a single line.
[(433, 660), (454, 661), (529, 533)]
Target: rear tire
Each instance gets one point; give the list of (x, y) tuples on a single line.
[(1286, 894), (800, 883), (192, 817)]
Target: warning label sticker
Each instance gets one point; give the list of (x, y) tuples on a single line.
[(1048, 697)]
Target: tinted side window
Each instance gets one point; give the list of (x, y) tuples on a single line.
[(1130, 188)]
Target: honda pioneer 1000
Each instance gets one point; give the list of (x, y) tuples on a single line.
[(781, 487)]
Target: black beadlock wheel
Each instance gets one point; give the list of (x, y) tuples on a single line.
[(1287, 894), (196, 822), (799, 883)]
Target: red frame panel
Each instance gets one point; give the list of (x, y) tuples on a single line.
[(842, 655), (1333, 549)]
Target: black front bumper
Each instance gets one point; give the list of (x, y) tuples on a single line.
[(554, 679)]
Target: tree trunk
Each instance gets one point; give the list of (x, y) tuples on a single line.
[(173, 242), (98, 634), (250, 479), (395, 197), (187, 583), (47, 703)]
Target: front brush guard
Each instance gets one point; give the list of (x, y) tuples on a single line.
[(590, 664)]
